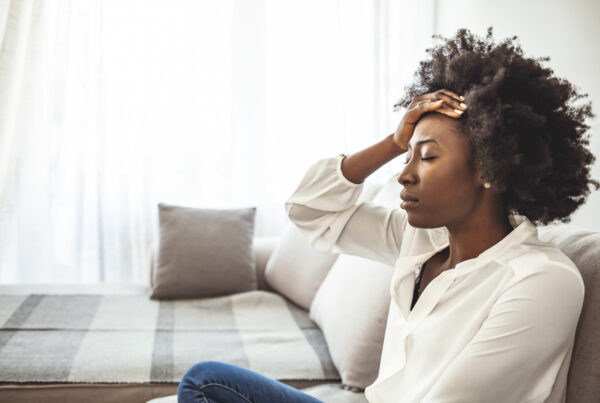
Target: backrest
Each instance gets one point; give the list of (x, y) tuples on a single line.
[(583, 248)]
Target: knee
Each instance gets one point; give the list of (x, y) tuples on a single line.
[(205, 372), (195, 378)]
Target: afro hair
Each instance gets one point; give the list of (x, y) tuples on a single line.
[(527, 128)]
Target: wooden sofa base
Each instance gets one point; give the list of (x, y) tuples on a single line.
[(101, 392)]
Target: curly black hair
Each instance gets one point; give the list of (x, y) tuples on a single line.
[(527, 128)]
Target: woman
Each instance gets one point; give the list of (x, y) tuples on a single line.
[(481, 310)]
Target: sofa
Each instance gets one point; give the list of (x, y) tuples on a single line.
[(314, 321)]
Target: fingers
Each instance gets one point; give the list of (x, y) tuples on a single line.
[(440, 106), (453, 104), (429, 105), (451, 99), (452, 94), (443, 101), (453, 113), (415, 112)]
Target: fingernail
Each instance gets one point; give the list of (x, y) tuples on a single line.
[(462, 98), (458, 111), (463, 105)]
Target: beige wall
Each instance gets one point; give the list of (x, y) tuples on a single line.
[(567, 31)]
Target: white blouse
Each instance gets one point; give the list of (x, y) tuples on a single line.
[(496, 328)]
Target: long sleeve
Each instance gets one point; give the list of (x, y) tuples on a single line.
[(325, 208), (521, 345)]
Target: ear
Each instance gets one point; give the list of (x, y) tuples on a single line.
[(478, 179), (483, 183)]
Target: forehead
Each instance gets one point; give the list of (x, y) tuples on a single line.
[(441, 128)]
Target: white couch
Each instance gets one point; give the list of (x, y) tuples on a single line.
[(358, 290), (265, 302), (335, 314)]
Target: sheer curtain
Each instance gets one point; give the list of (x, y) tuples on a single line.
[(109, 107)]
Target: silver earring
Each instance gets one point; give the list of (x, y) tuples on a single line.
[(487, 185)]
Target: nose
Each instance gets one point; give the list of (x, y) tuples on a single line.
[(407, 176)]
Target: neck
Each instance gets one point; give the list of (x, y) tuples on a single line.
[(470, 238)]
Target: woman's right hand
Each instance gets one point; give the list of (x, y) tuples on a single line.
[(443, 101)]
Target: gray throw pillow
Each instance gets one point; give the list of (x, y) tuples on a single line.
[(204, 252)]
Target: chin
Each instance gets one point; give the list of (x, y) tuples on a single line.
[(421, 222)]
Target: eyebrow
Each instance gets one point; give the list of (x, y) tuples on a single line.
[(424, 141)]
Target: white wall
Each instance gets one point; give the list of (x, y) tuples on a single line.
[(567, 31)]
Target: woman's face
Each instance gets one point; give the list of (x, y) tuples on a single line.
[(440, 174)]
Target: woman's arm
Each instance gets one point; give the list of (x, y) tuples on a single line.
[(325, 205), (358, 166), (325, 208)]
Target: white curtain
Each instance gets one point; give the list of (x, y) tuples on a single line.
[(109, 107)]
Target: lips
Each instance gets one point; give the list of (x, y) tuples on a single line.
[(408, 201), (407, 197)]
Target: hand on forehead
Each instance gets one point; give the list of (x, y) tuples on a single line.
[(438, 129)]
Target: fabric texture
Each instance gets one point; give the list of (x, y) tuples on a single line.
[(511, 312), (263, 249), (213, 381), (295, 269), (583, 247), (132, 339), (204, 252)]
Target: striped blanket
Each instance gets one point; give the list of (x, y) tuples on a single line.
[(132, 339)]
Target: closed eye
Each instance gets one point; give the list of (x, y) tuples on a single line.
[(422, 159)]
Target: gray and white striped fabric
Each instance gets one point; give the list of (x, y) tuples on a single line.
[(132, 339)]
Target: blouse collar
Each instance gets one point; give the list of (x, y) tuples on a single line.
[(523, 231), (402, 283)]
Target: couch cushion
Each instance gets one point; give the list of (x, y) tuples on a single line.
[(351, 309), (164, 399), (132, 339), (204, 252), (295, 269), (335, 393), (583, 248), (263, 249)]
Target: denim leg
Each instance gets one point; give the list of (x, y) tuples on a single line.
[(218, 382)]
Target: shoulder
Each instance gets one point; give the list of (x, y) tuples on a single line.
[(548, 271), (544, 292)]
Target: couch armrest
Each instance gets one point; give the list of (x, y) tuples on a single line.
[(263, 247)]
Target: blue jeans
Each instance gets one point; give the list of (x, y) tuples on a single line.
[(217, 382)]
